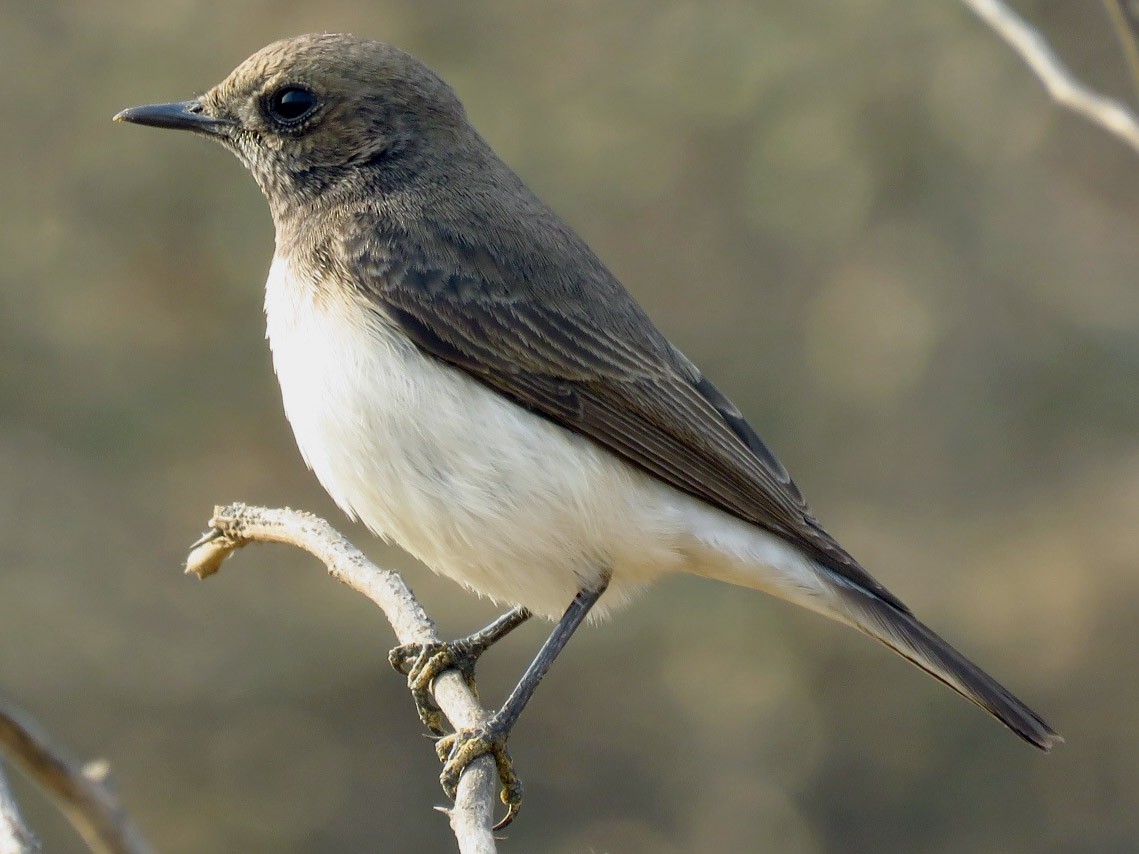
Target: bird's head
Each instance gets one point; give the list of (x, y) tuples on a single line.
[(319, 117)]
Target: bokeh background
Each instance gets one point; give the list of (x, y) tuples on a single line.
[(865, 221)]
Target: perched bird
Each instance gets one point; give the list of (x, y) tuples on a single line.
[(466, 377)]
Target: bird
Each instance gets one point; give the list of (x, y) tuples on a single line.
[(466, 377)]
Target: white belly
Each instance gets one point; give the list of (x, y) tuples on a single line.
[(477, 488), (482, 491)]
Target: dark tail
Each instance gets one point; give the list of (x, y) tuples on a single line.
[(912, 640)]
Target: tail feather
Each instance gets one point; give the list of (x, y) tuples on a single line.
[(743, 554), (916, 642)]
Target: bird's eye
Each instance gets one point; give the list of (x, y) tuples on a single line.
[(290, 104)]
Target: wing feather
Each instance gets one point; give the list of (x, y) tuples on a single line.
[(581, 353)]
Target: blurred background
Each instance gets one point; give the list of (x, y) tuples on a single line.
[(868, 225)]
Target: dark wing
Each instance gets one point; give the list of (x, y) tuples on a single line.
[(575, 348)]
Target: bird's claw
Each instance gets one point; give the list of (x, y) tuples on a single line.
[(457, 750), (421, 663)]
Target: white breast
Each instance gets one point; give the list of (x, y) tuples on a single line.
[(480, 490), (498, 499)]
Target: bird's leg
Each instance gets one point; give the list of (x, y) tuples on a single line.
[(459, 749), (422, 662)]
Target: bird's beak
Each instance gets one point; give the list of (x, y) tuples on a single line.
[(182, 115)]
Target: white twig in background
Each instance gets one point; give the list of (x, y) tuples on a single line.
[(81, 792), (1126, 24), (15, 838), (234, 525), (1064, 88)]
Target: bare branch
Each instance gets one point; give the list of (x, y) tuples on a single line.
[(1061, 85), (232, 526), (15, 838), (82, 794), (1127, 29)]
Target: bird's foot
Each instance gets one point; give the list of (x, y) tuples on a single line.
[(457, 750), (422, 662)]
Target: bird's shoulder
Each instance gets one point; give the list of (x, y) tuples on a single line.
[(525, 282)]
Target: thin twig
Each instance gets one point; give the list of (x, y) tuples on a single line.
[(1058, 81), (81, 792), (15, 838), (232, 526), (1126, 27)]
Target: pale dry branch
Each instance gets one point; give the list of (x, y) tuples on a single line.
[(81, 792), (1064, 88), (15, 838), (1126, 24), (233, 526)]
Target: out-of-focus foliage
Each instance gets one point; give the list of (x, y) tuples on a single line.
[(863, 219)]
